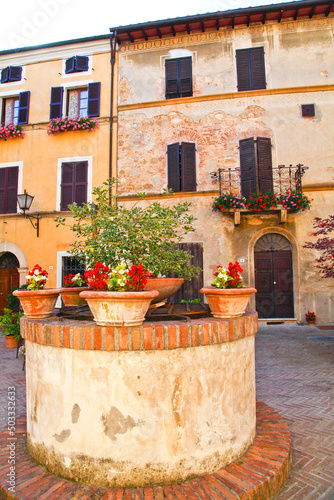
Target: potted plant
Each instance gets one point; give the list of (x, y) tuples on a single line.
[(10, 320), (145, 233), (36, 301), (227, 297), (117, 296), (310, 317), (73, 285)]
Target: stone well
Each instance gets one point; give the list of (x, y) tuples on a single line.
[(138, 406)]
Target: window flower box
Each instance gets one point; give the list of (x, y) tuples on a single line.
[(64, 124), (11, 131)]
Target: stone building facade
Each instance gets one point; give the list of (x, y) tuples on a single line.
[(190, 88)]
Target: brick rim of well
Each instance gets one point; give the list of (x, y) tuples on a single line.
[(260, 473)]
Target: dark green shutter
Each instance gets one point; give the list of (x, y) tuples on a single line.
[(188, 166), (264, 162), (250, 69), (247, 167), (73, 183), (94, 99), (56, 105), (80, 187), (173, 167), (24, 99)]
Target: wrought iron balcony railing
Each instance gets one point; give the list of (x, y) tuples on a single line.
[(283, 177)]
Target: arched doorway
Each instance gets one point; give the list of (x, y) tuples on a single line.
[(273, 276), (9, 277)]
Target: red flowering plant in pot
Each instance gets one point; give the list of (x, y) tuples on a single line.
[(36, 301), (227, 297), (117, 296), (310, 317), (70, 293)]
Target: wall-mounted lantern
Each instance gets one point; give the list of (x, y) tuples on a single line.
[(25, 200)]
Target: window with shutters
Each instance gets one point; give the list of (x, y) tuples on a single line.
[(15, 109), (73, 183), (178, 77), (8, 189), (255, 166), (76, 64), (250, 69), (181, 166), (75, 101), (11, 74)]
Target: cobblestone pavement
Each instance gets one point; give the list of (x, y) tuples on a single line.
[(295, 376)]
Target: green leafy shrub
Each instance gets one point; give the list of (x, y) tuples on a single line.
[(11, 322)]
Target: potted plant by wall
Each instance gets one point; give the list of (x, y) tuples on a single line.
[(310, 317), (227, 297), (36, 301), (10, 321), (117, 296), (145, 233), (73, 285)]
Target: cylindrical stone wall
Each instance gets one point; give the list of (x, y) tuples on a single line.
[(139, 406)]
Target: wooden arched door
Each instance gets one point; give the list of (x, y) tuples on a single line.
[(273, 277), (9, 277)]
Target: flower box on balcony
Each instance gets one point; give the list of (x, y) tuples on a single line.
[(11, 131), (65, 124)]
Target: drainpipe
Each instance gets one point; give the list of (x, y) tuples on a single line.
[(113, 36)]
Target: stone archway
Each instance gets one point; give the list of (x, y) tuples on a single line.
[(274, 276)]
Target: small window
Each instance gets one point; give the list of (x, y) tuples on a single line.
[(71, 265), (181, 166), (308, 110), (73, 183), (178, 77), (250, 69), (76, 64), (255, 166), (8, 190), (83, 101), (15, 110), (11, 74)]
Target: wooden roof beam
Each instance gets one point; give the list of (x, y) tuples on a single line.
[(202, 24), (329, 9), (264, 18), (296, 14), (312, 12), (159, 32), (130, 36), (173, 30), (188, 29), (280, 16), (145, 35)]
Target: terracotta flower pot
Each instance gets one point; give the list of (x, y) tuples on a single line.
[(38, 304), (165, 286), (71, 296), (227, 302), (119, 308), (11, 342)]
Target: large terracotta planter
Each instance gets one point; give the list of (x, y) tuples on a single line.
[(11, 342), (38, 304), (119, 308), (165, 286), (227, 302), (71, 297)]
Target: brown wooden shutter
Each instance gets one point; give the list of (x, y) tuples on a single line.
[(80, 194), (188, 166), (8, 189), (190, 288), (171, 78), (2, 189), (247, 167), (243, 72), (185, 79), (264, 162), (66, 185), (173, 167), (258, 74), (12, 178)]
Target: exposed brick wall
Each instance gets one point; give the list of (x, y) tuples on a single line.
[(150, 336)]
